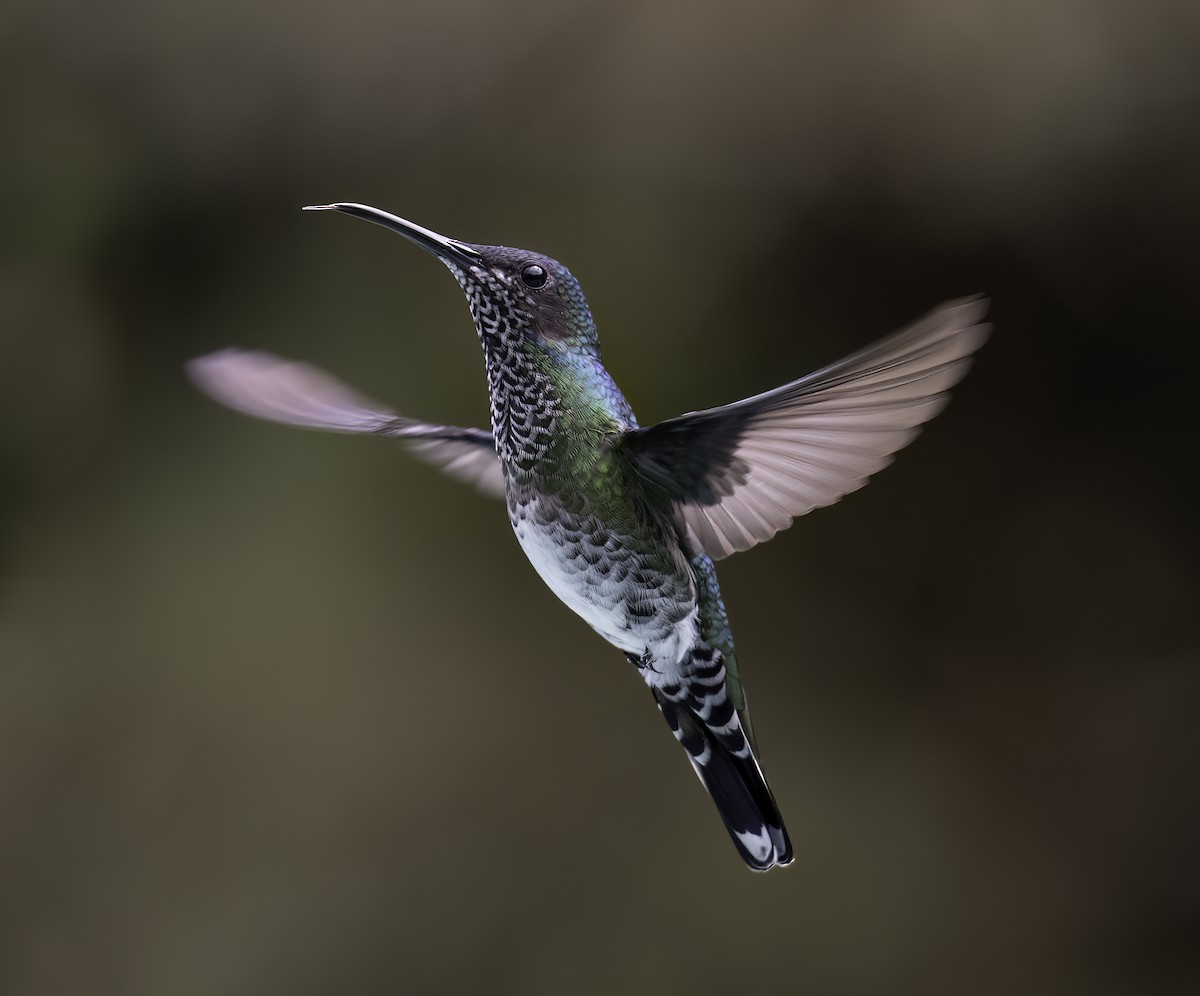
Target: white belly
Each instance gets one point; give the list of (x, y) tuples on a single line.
[(601, 593)]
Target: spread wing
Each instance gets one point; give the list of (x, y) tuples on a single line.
[(294, 393), (740, 473)]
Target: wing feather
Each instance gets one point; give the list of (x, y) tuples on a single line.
[(295, 393), (738, 474)]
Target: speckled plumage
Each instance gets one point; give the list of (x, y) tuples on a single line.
[(623, 523), (576, 504)]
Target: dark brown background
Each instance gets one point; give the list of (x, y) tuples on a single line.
[(289, 713)]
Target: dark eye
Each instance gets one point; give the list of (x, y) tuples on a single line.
[(533, 275)]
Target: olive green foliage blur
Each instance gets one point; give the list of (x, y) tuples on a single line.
[(289, 713)]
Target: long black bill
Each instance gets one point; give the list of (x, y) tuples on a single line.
[(442, 247)]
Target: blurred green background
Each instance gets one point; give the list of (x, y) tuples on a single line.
[(289, 713)]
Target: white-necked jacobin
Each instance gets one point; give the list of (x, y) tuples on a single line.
[(623, 522)]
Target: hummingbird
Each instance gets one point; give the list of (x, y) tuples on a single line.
[(624, 522)]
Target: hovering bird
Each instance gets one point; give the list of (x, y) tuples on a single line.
[(623, 522)]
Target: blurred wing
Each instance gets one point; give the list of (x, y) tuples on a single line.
[(294, 393), (740, 473)]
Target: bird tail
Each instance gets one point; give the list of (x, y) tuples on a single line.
[(705, 722)]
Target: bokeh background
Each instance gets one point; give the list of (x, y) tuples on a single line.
[(289, 713)]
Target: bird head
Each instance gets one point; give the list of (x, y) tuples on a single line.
[(518, 298)]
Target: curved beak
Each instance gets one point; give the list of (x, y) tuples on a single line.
[(449, 250)]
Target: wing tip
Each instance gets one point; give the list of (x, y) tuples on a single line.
[(970, 310), (199, 368), (215, 372)]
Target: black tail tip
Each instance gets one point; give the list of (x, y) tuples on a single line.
[(763, 848)]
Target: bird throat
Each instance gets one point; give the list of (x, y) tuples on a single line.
[(526, 403)]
